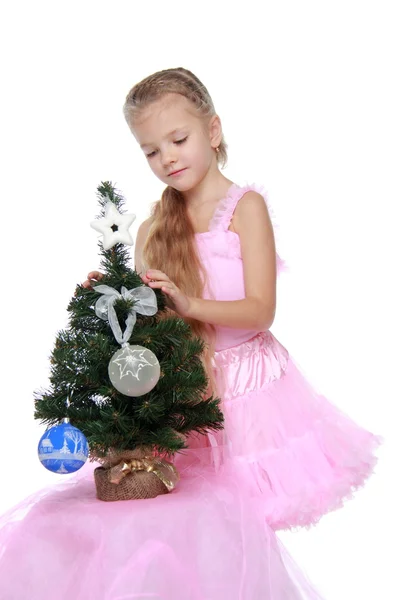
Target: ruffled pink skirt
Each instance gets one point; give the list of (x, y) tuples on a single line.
[(290, 447), (200, 542), (285, 457)]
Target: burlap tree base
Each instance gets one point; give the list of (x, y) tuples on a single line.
[(137, 485), (134, 474)]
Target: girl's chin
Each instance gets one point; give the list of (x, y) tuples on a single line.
[(182, 184)]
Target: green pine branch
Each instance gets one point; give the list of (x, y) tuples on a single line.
[(162, 418)]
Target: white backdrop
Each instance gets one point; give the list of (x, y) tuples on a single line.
[(308, 93)]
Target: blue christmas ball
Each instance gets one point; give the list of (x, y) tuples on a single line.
[(63, 449)]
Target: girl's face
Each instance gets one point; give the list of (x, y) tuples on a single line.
[(178, 146)]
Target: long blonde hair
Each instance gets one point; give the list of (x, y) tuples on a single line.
[(170, 244)]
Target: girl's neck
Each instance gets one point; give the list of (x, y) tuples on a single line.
[(202, 204), (211, 189)]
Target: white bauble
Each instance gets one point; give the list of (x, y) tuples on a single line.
[(134, 370)]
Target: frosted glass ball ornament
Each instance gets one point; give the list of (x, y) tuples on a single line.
[(134, 370), (63, 449)]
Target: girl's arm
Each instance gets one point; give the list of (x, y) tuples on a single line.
[(252, 223), (141, 237)]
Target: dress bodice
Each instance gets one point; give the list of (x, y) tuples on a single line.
[(220, 253)]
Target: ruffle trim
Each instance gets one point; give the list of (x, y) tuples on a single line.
[(226, 207), (305, 508)]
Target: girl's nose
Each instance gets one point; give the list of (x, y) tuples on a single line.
[(167, 158)]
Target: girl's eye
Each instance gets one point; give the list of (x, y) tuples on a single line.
[(151, 154)]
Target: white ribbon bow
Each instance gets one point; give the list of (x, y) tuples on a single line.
[(145, 304)]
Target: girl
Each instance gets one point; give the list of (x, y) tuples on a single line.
[(209, 246), (285, 457)]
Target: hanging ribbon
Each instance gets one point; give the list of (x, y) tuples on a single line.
[(145, 304)]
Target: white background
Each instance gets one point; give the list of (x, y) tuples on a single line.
[(308, 93)]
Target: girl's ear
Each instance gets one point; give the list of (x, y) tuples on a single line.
[(215, 131)]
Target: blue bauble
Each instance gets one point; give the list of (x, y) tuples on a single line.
[(63, 449)]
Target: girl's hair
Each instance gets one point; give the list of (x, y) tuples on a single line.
[(170, 244)]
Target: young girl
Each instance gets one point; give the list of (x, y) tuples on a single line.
[(286, 455), (209, 246)]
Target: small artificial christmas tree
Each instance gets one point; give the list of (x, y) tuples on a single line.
[(131, 430)]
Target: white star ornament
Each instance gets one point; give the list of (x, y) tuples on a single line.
[(114, 220)]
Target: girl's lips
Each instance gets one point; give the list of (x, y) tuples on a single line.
[(176, 173)]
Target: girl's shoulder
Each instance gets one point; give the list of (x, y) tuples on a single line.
[(253, 193)]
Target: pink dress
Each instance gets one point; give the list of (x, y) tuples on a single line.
[(286, 456), (296, 454)]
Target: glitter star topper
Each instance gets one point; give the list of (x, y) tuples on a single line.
[(114, 227)]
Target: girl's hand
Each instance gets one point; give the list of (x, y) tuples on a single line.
[(91, 278), (176, 299)]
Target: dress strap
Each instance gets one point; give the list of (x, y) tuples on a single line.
[(226, 207)]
